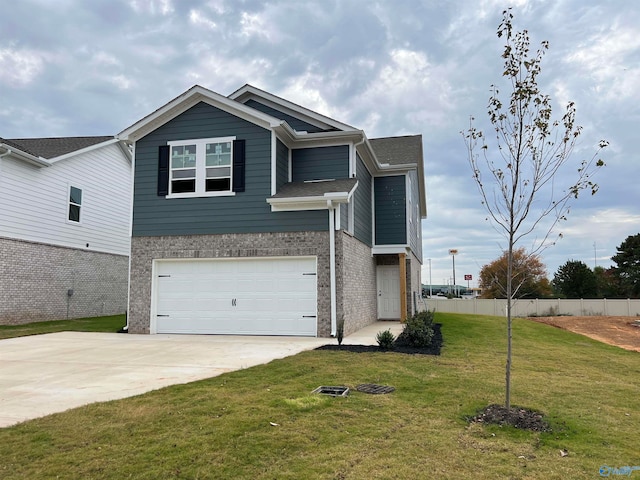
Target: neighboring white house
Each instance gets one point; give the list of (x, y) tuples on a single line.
[(65, 208)]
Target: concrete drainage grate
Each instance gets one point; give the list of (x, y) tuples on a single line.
[(374, 389), (333, 391)]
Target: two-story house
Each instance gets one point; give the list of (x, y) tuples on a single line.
[(254, 215), (64, 228)]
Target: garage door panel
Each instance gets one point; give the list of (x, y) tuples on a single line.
[(237, 296)]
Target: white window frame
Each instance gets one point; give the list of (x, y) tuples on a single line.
[(70, 204), (201, 168)]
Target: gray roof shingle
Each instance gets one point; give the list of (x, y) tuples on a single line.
[(315, 189), (54, 147), (398, 150)]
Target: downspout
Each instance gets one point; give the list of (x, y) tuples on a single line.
[(8, 152), (332, 266), (125, 329)]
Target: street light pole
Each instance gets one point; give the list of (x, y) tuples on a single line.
[(430, 283), (453, 252)]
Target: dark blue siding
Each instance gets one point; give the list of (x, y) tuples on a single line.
[(282, 164), (416, 221), (320, 163), (362, 205), (391, 212), (245, 212), (293, 122)]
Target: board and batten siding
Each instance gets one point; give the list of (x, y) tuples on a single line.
[(320, 163), (362, 205), (282, 164), (244, 212), (390, 210), (35, 201), (295, 123), (415, 225)]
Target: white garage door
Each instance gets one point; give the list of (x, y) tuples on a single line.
[(266, 296)]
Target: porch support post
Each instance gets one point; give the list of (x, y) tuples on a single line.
[(402, 257)]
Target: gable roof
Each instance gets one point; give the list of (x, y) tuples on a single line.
[(249, 92), (188, 99), (402, 152), (398, 150), (49, 148)]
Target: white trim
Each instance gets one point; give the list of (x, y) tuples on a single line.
[(318, 202), (84, 150), (390, 249), (274, 163), (24, 156), (188, 99), (290, 166), (153, 311), (332, 268), (249, 92), (81, 205), (407, 204), (201, 167), (132, 193)]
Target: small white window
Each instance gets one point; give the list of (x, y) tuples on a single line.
[(201, 167), (75, 204)]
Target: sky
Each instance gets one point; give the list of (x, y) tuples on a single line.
[(393, 67)]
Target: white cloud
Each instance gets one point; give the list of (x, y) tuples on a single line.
[(18, 68), (610, 58), (199, 19), (153, 7)]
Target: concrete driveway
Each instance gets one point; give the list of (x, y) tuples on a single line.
[(51, 373)]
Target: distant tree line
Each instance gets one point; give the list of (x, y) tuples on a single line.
[(574, 279)]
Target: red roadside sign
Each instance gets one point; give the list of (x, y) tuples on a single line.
[(468, 277)]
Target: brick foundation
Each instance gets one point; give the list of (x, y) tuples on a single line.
[(35, 279)]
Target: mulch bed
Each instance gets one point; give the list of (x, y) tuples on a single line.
[(517, 417), (433, 349)]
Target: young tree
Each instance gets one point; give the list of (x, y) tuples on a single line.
[(518, 176), (627, 269), (528, 272), (575, 279)]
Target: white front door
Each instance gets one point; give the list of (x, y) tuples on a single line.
[(388, 280)]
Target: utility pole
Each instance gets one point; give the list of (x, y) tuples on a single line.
[(453, 252)]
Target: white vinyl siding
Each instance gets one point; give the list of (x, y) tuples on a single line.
[(35, 201)]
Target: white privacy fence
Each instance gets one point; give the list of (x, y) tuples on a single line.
[(535, 307)]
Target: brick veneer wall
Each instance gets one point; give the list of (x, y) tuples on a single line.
[(35, 279), (356, 281), (145, 249)]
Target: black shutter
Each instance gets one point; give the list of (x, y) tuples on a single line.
[(163, 170), (238, 165)]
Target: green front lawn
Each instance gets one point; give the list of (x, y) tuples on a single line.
[(263, 423), (112, 323)]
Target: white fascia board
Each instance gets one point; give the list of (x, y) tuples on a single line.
[(293, 139), (12, 151), (187, 100), (89, 149), (249, 92), (421, 184), (390, 249), (319, 202)]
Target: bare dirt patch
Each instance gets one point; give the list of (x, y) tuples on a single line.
[(618, 331)]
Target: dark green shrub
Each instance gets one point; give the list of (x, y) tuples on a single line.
[(418, 330), (385, 339)]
